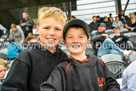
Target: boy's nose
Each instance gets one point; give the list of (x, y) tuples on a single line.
[(75, 40), (51, 32)]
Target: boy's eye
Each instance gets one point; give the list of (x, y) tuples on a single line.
[(46, 27), (57, 29), (70, 37), (81, 36)]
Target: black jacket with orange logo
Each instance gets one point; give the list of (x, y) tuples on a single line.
[(89, 75)]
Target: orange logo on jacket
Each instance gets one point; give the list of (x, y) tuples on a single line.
[(101, 81)]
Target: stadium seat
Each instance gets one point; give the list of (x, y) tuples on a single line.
[(116, 67), (111, 57)]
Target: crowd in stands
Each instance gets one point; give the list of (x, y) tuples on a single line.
[(27, 32)]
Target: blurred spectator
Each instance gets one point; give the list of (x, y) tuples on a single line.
[(99, 37), (29, 34), (110, 18), (35, 30), (114, 45), (94, 24), (13, 49), (108, 23), (122, 17), (3, 66), (129, 78), (131, 22), (32, 38), (117, 23), (72, 17), (26, 24), (17, 33), (98, 19)]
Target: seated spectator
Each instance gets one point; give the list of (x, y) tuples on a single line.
[(13, 49), (29, 34), (17, 34), (99, 37), (98, 19), (108, 23), (3, 66), (110, 18), (35, 30), (30, 39), (129, 78), (80, 72), (94, 24), (117, 23), (115, 45), (122, 17), (131, 23)]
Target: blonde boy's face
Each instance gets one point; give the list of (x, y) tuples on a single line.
[(51, 31), (2, 71), (76, 41)]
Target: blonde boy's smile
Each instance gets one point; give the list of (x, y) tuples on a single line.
[(50, 30)]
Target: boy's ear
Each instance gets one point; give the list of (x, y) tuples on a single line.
[(64, 42), (88, 41)]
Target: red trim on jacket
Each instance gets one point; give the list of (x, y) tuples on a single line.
[(101, 62), (67, 68), (84, 60)]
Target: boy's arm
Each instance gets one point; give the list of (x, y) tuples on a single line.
[(16, 79), (56, 81), (111, 83)]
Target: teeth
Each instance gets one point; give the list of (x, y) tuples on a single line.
[(50, 39)]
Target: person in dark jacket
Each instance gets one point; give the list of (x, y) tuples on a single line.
[(116, 45), (33, 66), (99, 37), (94, 24), (108, 23), (122, 17), (26, 24), (80, 72)]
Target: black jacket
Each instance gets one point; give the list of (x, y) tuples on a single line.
[(121, 41), (28, 27), (31, 68), (71, 75), (97, 40), (94, 26)]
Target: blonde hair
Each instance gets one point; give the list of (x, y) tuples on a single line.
[(46, 12), (3, 62)]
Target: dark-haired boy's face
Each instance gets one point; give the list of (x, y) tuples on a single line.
[(76, 40)]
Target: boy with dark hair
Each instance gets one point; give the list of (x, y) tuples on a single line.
[(80, 72)]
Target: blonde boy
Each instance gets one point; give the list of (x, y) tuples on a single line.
[(79, 72), (3, 65), (33, 66)]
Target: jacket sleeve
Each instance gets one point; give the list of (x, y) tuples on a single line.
[(29, 23), (96, 37), (111, 83), (56, 81), (16, 79)]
